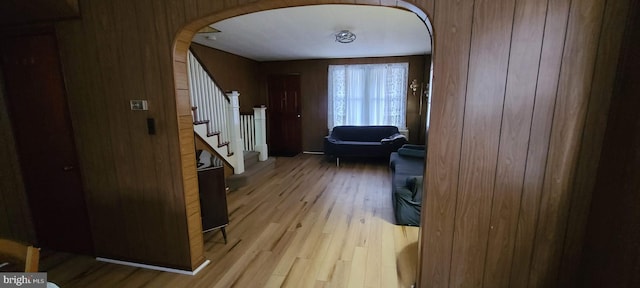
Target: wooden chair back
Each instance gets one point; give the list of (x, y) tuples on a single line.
[(11, 251)]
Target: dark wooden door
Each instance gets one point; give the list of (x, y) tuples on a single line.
[(44, 138), (285, 119)]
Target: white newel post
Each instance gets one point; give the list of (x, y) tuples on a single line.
[(260, 119), (236, 139)]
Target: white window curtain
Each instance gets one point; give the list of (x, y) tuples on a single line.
[(371, 94)]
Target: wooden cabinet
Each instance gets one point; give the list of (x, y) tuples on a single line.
[(213, 199)]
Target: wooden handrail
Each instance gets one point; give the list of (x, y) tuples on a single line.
[(195, 55)]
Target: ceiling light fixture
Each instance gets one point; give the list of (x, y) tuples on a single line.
[(345, 36)]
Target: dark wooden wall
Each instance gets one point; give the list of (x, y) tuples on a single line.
[(20, 12), (313, 77), (119, 51), (612, 243), (516, 103), (520, 91)]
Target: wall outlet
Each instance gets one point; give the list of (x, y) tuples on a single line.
[(139, 105)]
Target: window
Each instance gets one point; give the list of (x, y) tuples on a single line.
[(372, 94)]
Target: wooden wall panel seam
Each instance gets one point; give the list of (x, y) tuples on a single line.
[(522, 80), (462, 125), (524, 178), (611, 256), (544, 176), (500, 136), (440, 203), (539, 131), (484, 103), (530, 132), (572, 181), (614, 15), (498, 152), (565, 141), (493, 269)]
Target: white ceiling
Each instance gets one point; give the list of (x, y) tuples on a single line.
[(307, 32)]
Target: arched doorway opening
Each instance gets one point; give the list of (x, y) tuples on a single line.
[(184, 112)]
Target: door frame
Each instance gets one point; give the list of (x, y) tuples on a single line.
[(184, 119)]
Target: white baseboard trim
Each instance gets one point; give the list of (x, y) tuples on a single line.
[(152, 267)]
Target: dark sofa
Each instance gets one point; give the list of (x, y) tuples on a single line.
[(363, 141), (407, 170)]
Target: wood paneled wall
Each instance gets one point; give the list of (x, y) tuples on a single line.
[(232, 72), (512, 102), (314, 81), (612, 242), (520, 88), (119, 51), (603, 88), (21, 12)]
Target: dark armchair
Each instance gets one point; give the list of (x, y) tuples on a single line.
[(407, 169)]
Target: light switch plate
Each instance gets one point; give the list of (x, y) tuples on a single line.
[(139, 105)]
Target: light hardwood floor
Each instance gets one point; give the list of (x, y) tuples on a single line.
[(306, 223)]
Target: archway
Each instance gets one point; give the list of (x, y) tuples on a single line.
[(183, 106)]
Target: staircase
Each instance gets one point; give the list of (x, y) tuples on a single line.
[(236, 139)]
